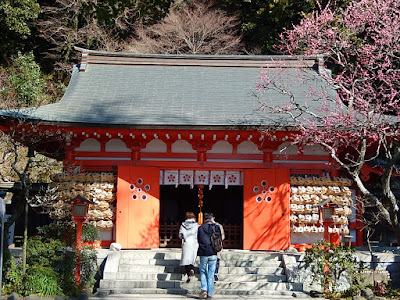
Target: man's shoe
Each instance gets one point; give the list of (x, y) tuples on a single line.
[(203, 295), (216, 277)]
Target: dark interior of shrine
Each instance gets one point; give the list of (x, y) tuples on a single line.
[(225, 204)]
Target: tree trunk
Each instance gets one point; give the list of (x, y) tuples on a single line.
[(388, 208), (25, 236)]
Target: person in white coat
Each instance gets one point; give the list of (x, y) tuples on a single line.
[(188, 234)]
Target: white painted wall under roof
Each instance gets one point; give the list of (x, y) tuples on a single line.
[(221, 147), (182, 146), (89, 145), (287, 148), (314, 150), (93, 145), (116, 145), (155, 145), (248, 147)]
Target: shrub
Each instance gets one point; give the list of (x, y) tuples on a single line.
[(88, 267), (27, 78), (328, 263), (12, 280), (50, 267), (90, 233), (43, 281), (44, 253), (62, 231)]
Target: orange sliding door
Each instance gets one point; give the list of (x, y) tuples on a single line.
[(138, 207), (266, 211)]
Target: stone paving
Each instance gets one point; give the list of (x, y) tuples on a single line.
[(180, 297)]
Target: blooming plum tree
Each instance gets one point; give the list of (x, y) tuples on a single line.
[(358, 123)]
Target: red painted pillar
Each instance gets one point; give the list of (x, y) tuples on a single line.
[(135, 156), (201, 156), (267, 156), (359, 234), (326, 230), (334, 173), (202, 151), (79, 225), (334, 238)]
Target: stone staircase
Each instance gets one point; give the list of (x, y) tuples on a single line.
[(158, 272)]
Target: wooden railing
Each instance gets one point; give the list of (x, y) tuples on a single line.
[(169, 235), (233, 236)]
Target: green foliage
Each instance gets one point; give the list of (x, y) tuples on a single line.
[(110, 13), (7, 94), (43, 281), (44, 252), (50, 266), (12, 280), (263, 21), (44, 257), (27, 78), (67, 273), (22, 82), (90, 233), (88, 258), (17, 14), (328, 263), (62, 231), (352, 291), (16, 17), (60, 25)]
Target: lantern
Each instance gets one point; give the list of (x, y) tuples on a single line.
[(80, 207)]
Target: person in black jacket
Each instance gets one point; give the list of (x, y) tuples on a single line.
[(208, 257), (219, 253)]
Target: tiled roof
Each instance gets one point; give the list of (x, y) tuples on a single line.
[(183, 90)]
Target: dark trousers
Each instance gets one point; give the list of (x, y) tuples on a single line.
[(217, 266), (188, 268)]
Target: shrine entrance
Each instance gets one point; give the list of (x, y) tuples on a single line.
[(225, 203), (253, 206)]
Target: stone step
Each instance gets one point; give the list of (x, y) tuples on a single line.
[(156, 271), (269, 294), (175, 262), (179, 276), (178, 269), (148, 262), (245, 286), (225, 255), (250, 256)]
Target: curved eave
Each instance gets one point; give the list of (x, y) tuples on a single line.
[(5, 124)]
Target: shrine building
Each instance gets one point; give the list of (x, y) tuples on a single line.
[(149, 137)]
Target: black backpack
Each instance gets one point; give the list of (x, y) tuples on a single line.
[(216, 240)]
